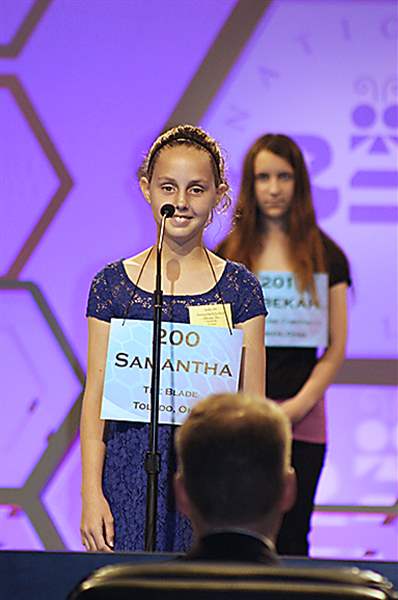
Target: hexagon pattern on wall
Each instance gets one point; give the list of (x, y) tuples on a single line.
[(31, 370), (15, 525), (44, 380), (65, 509), (16, 32), (26, 224), (30, 489), (33, 508)]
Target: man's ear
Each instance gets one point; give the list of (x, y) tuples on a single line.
[(144, 185), (182, 500), (289, 493)]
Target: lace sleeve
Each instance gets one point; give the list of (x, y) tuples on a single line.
[(99, 304), (251, 297)]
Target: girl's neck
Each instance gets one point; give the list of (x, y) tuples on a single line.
[(276, 251), (275, 230), (182, 252)]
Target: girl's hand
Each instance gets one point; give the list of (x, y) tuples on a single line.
[(96, 527)]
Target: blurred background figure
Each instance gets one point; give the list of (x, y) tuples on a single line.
[(275, 234)]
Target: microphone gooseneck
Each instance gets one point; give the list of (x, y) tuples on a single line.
[(152, 457)]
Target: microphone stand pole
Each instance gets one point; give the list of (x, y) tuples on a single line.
[(152, 457)]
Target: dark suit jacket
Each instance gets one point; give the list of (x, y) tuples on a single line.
[(232, 546)]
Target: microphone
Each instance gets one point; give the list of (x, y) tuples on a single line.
[(167, 210)]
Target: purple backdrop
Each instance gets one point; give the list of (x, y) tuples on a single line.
[(84, 87)]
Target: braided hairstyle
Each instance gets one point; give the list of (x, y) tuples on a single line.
[(196, 137)]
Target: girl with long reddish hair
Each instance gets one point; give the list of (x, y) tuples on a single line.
[(275, 232)]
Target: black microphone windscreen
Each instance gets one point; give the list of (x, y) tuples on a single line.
[(167, 210)]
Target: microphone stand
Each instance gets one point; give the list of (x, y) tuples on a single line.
[(152, 457)]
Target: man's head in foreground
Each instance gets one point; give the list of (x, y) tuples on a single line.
[(234, 467)]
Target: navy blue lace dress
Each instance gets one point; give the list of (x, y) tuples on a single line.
[(124, 477)]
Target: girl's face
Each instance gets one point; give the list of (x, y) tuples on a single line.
[(273, 184), (183, 176)]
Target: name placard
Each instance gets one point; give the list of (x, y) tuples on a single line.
[(294, 319), (214, 315), (195, 361)]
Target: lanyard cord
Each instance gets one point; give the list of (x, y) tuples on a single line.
[(219, 291), (136, 284), (215, 280)]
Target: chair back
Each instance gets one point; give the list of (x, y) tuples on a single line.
[(219, 581)]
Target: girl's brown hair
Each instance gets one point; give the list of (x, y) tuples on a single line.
[(189, 135), (246, 240)]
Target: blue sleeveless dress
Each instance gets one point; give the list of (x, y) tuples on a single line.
[(124, 476)]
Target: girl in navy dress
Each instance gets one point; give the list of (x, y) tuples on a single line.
[(184, 167)]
